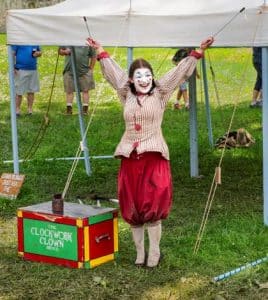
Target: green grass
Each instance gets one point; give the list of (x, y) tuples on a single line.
[(234, 235)]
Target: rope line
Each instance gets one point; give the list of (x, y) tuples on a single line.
[(201, 84), (71, 172), (162, 62), (42, 129), (215, 87), (215, 183)]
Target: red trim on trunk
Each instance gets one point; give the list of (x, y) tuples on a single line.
[(20, 235), (51, 260), (49, 218), (80, 243)]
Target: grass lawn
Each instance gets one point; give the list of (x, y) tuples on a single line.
[(234, 234)]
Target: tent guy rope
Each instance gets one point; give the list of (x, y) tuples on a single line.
[(85, 19), (217, 174), (227, 23), (42, 129), (213, 76)]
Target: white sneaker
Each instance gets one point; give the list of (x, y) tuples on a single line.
[(256, 103)]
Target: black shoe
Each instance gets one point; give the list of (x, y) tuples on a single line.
[(85, 110), (69, 110)]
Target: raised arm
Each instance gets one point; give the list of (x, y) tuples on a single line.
[(172, 79), (112, 72)]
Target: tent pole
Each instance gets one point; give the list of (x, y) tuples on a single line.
[(204, 69), (13, 110), (264, 132), (129, 56), (193, 127), (81, 122)]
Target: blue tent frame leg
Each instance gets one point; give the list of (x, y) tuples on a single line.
[(264, 132), (81, 121), (13, 111), (194, 172)]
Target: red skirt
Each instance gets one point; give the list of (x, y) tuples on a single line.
[(144, 188)]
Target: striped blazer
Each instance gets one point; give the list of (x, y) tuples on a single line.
[(143, 116)]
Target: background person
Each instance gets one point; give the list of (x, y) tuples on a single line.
[(144, 179), (26, 75), (183, 87), (85, 62), (257, 91)]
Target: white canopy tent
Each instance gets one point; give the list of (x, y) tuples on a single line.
[(139, 23), (150, 23)]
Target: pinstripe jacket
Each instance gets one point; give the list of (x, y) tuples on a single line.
[(143, 118)]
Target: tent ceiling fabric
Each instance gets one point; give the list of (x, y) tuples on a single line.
[(140, 23)]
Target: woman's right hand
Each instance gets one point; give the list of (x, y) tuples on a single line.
[(92, 43)]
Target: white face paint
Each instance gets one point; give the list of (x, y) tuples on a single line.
[(142, 79)]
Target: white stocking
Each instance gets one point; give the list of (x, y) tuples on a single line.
[(154, 232), (138, 238)]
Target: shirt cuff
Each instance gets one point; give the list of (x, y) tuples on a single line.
[(102, 55), (196, 54)]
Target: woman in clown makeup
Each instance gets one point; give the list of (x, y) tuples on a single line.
[(144, 179)]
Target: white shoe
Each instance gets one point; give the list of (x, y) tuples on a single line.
[(256, 103)]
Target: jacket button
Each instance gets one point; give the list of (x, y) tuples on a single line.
[(137, 127)]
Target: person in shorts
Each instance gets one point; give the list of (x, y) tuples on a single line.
[(85, 59), (257, 90), (26, 75)]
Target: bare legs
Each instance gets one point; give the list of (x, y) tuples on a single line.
[(184, 94), (30, 101), (18, 104), (69, 102), (256, 98)]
